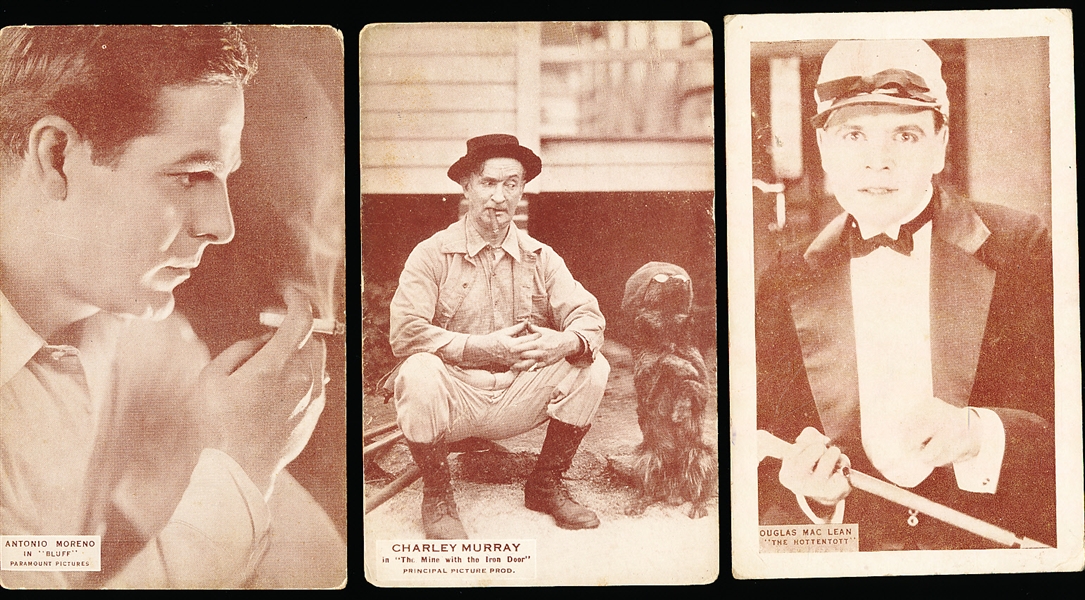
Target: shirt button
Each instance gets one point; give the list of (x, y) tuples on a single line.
[(465, 285)]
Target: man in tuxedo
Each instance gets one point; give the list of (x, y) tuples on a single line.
[(912, 338)]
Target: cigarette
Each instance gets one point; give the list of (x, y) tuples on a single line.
[(533, 367), (325, 326)]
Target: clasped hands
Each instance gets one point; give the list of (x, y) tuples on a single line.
[(520, 347), (936, 432)]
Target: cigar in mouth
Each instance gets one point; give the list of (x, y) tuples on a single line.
[(325, 326)]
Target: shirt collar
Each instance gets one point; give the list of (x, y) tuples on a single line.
[(96, 347), (475, 243), (18, 342)]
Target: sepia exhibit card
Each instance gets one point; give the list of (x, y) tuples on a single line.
[(583, 151), (172, 357), (904, 333)]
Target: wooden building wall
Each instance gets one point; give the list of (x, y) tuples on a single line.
[(627, 165), (427, 88)]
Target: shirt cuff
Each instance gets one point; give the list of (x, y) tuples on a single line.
[(837, 516), (584, 355), (452, 352), (229, 516), (980, 473), (585, 347)]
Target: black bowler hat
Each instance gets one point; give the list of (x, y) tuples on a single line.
[(493, 146)]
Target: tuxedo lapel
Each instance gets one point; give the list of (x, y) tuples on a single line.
[(822, 312), (961, 287)]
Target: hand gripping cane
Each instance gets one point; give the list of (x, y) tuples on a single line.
[(770, 445)]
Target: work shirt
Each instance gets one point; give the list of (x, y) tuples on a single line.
[(455, 285), (63, 464), (495, 289)]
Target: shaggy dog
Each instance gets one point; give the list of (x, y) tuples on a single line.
[(673, 463)]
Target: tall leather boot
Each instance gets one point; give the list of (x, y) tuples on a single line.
[(545, 491), (440, 519)]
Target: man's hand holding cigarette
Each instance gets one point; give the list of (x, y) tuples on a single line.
[(261, 397)]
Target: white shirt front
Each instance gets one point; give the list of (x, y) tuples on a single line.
[(891, 308), (890, 302)]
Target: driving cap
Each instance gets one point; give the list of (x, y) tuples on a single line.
[(902, 72), (493, 146)]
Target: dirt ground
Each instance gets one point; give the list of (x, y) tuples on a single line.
[(662, 545)]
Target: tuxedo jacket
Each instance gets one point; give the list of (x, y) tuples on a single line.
[(991, 347)]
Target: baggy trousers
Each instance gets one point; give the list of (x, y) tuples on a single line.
[(433, 403)]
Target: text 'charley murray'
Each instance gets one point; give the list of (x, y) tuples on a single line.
[(462, 547)]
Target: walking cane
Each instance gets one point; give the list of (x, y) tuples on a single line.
[(770, 445)]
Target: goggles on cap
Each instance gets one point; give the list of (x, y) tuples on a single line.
[(664, 278), (892, 82)]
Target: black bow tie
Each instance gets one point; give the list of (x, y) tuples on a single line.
[(903, 244)]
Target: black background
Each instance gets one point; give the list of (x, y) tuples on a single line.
[(350, 19)]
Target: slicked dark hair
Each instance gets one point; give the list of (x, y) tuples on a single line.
[(106, 80)]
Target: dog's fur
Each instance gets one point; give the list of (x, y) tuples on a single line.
[(673, 462)]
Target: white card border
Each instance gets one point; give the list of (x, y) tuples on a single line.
[(740, 30)]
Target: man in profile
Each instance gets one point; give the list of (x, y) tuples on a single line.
[(497, 338), (117, 143), (913, 337)]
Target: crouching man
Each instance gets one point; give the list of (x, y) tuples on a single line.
[(498, 338)]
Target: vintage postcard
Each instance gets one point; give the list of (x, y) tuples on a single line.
[(905, 373), (538, 264), (172, 358)]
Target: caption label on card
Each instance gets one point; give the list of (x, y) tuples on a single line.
[(809, 538), (50, 553), (456, 560)]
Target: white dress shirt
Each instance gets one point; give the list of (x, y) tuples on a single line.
[(52, 402)]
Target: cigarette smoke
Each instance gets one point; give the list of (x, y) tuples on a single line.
[(313, 128)]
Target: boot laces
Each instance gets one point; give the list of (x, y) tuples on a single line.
[(553, 485), (443, 505), (561, 494)]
